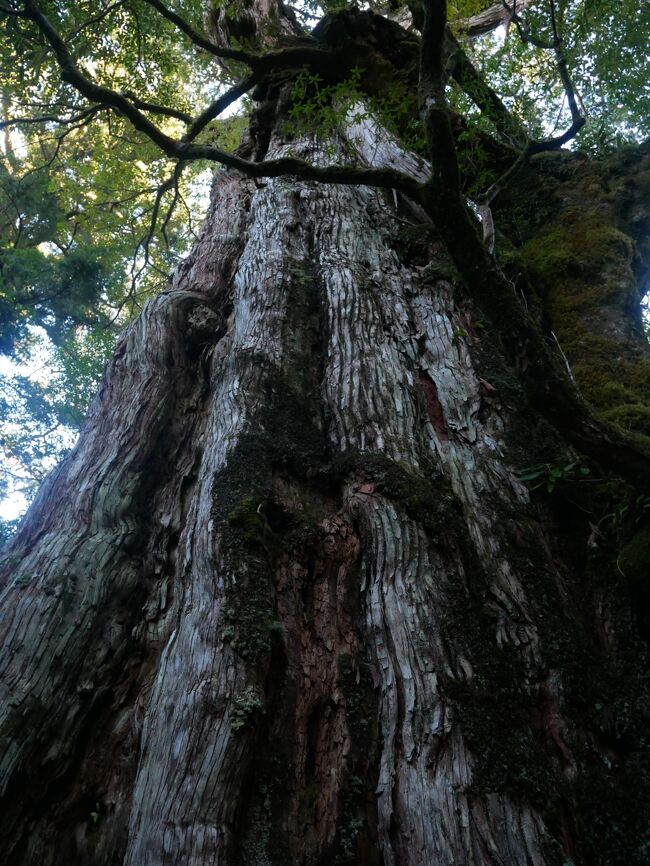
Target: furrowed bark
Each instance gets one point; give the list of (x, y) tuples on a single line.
[(288, 601), (287, 606)]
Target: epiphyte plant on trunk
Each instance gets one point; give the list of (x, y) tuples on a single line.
[(288, 599)]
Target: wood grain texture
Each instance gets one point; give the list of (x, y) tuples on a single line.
[(277, 603)]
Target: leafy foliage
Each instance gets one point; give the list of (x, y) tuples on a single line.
[(605, 43), (318, 108), (549, 475), (78, 256)]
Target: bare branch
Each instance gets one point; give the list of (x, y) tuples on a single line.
[(292, 57), (220, 105), (95, 19), (163, 110), (488, 20)]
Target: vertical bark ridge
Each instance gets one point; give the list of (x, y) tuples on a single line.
[(85, 571), (191, 762), (293, 497)]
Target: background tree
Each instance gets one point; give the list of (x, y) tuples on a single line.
[(344, 566)]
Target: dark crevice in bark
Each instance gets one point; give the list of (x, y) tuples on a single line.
[(85, 759)]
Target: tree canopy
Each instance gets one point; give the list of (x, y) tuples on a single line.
[(112, 113)]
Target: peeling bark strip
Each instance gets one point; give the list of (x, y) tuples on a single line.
[(286, 601)]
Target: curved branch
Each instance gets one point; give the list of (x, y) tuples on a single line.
[(184, 150), (220, 104), (292, 57), (196, 38), (163, 110)]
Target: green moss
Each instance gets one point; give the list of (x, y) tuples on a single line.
[(413, 243), (256, 834), (426, 498), (441, 268), (238, 490), (634, 562), (246, 706), (586, 266), (497, 710), (632, 416), (356, 684), (577, 243), (247, 518), (284, 434)]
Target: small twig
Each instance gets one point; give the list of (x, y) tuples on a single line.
[(484, 202), (95, 19), (564, 357)]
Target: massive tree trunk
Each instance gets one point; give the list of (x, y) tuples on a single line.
[(287, 601)]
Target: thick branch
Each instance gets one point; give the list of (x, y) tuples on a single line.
[(384, 178), (184, 150), (220, 104), (292, 57), (432, 70), (484, 97), (488, 20)]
